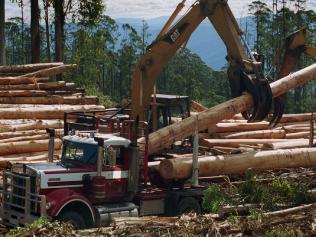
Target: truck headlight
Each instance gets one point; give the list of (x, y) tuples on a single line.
[(48, 205)]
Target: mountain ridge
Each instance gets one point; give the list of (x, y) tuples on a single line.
[(204, 41)]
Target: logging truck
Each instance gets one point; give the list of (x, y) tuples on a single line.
[(100, 176)]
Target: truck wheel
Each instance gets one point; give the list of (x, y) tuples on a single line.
[(188, 204), (73, 218)]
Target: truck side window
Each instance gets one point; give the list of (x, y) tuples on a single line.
[(118, 150)]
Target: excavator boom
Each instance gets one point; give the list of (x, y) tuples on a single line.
[(245, 74)]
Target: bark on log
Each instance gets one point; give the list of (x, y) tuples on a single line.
[(197, 106), (27, 146), (264, 134), (293, 118), (54, 99), (35, 156), (51, 112), (23, 93), (297, 143), (21, 80), (36, 86), (239, 127), (25, 68), (25, 138), (167, 136), (6, 135), (297, 135), (51, 71), (36, 124), (237, 142), (237, 164)]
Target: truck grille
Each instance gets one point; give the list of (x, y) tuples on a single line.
[(19, 196)]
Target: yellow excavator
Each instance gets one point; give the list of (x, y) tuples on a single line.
[(244, 71)]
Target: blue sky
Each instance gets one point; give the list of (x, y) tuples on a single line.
[(146, 9)]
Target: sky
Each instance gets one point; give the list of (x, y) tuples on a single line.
[(145, 9)]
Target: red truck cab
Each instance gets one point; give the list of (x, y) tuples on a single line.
[(98, 177)]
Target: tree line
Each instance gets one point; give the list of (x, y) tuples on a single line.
[(107, 52)]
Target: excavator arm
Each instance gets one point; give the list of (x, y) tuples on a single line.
[(294, 46), (245, 74)]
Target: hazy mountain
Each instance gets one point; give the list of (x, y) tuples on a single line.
[(204, 41)]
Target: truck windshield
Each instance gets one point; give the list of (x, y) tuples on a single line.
[(79, 152)]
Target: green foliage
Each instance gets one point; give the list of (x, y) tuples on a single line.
[(90, 11), (54, 228), (213, 199), (280, 191), (281, 233), (233, 219)]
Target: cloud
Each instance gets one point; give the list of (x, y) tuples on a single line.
[(145, 9), (12, 10), (155, 8)]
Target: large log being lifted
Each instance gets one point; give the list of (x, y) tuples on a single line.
[(176, 169), (165, 137)]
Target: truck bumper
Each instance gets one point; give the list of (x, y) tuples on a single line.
[(15, 218), (19, 205)]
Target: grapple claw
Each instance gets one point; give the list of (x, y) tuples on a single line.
[(279, 105), (259, 89)]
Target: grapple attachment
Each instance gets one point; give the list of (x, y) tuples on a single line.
[(258, 87), (294, 46)]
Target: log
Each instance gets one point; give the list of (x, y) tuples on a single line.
[(237, 164), (20, 80), (51, 112), (297, 135), (197, 106), (28, 67), (237, 142), (27, 146), (23, 93), (25, 138), (50, 71), (287, 144), (293, 118), (6, 135), (26, 156), (165, 137), (36, 86), (49, 100), (264, 134), (34, 124), (239, 127)]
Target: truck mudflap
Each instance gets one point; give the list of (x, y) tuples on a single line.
[(20, 202)]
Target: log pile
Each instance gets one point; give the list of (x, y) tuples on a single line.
[(223, 133), (30, 102), (234, 146)]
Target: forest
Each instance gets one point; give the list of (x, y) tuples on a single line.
[(107, 55)]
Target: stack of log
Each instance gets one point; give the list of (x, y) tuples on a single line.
[(236, 135), (259, 146), (30, 102)]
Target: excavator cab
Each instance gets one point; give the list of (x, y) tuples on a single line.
[(169, 109)]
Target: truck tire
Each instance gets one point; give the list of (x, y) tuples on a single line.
[(188, 204), (74, 218)]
